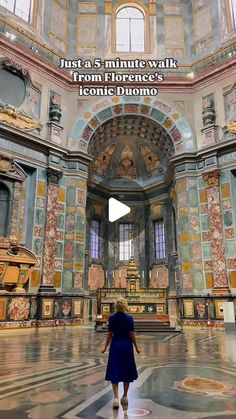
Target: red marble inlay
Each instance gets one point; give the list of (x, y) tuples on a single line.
[(50, 235), (216, 229)]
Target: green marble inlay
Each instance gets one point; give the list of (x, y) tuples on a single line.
[(230, 248), (205, 222), (193, 197), (80, 224), (59, 249), (228, 218), (201, 183), (157, 115), (104, 115), (198, 281), (224, 176), (39, 217), (60, 222), (183, 223), (207, 251), (62, 181), (71, 196), (67, 280), (79, 251), (185, 252), (38, 246), (42, 174)]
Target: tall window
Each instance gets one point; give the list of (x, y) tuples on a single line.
[(159, 238), (4, 209), (126, 245), (95, 240), (233, 7), (21, 8), (130, 30)]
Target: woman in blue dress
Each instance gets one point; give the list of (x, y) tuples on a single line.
[(121, 365)]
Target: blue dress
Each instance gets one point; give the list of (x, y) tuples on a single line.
[(121, 363)]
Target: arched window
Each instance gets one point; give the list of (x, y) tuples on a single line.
[(4, 209), (20, 8), (130, 30)]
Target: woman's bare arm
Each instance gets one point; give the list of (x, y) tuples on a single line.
[(133, 339), (108, 340)]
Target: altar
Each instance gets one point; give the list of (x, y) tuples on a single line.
[(144, 303)]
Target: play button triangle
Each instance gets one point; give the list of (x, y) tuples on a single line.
[(117, 210)]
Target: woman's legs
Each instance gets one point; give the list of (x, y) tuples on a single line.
[(126, 388), (115, 390)]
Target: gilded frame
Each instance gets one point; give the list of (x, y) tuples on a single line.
[(47, 308)]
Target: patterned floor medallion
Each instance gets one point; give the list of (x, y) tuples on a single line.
[(204, 386), (138, 412)]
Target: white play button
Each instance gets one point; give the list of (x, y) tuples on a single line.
[(117, 210)]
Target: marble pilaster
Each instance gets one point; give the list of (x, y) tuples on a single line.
[(216, 231), (53, 177)]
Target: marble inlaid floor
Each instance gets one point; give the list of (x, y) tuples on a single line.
[(48, 374)]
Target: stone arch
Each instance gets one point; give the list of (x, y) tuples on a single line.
[(96, 113)]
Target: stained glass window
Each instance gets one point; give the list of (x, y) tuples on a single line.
[(130, 30)]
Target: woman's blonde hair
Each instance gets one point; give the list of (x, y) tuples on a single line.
[(121, 305)]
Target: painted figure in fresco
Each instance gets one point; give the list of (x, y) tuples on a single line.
[(121, 365)]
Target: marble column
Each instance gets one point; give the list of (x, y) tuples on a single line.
[(53, 177), (216, 231)]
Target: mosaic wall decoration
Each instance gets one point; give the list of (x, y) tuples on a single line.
[(75, 225), (216, 228), (104, 109), (39, 222), (189, 234)]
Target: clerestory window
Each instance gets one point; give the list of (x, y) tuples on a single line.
[(130, 30), (20, 8)]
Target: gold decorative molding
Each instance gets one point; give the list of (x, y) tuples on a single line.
[(17, 118), (5, 162), (230, 127), (212, 178), (152, 7), (108, 7)]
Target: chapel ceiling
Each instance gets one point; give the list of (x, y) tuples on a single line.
[(130, 147)]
